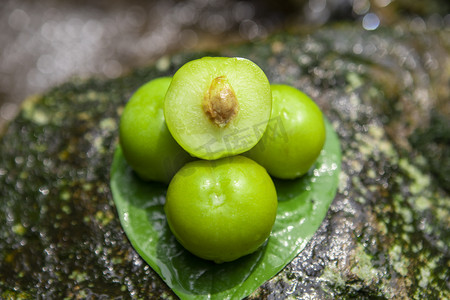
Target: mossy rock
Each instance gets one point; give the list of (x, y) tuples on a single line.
[(386, 234)]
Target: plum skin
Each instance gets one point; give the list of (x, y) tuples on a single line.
[(294, 137), (221, 210), (146, 142)]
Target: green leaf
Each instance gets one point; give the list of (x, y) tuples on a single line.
[(303, 204)]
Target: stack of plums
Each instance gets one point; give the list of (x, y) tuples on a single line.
[(218, 132)]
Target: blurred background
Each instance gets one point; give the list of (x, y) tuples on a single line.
[(44, 43)]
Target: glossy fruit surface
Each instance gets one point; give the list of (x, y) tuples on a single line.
[(294, 136), (218, 106), (145, 140), (221, 210)]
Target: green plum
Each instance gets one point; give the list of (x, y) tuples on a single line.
[(294, 137), (147, 144), (218, 106), (221, 210)]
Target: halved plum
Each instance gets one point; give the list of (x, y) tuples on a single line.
[(218, 106)]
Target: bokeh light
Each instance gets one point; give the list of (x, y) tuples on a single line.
[(47, 42)]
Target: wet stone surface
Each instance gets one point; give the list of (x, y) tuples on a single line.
[(386, 234)]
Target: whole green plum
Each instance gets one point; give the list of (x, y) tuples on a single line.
[(147, 144), (294, 136), (221, 210)]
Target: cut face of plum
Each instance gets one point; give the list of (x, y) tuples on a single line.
[(217, 106)]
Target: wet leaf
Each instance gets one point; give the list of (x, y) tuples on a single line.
[(303, 204)]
